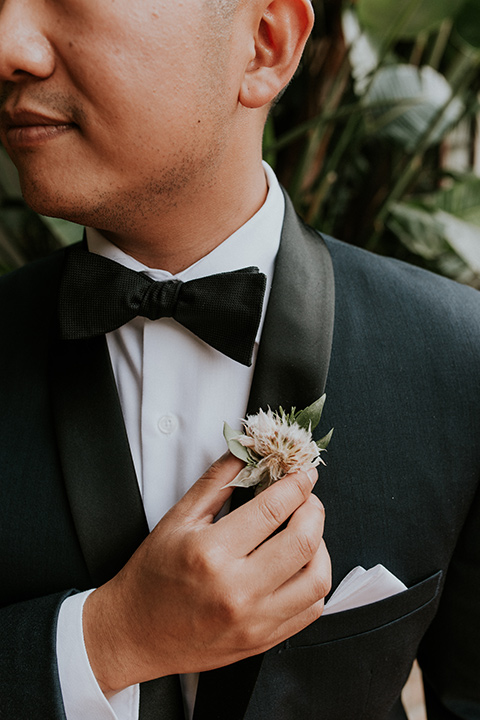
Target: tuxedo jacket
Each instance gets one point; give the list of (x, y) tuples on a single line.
[(399, 351)]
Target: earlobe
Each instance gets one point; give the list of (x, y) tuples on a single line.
[(280, 37)]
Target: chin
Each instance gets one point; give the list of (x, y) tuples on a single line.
[(52, 203)]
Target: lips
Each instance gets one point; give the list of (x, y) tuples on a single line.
[(26, 128)]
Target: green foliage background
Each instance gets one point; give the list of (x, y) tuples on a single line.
[(363, 139)]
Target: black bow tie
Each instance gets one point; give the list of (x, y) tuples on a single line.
[(98, 295)]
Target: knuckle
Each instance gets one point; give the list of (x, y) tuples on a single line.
[(306, 544), (201, 559), (273, 510), (230, 609)]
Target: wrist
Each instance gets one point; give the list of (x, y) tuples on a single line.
[(106, 641)]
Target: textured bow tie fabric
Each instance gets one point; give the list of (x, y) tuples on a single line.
[(98, 295)]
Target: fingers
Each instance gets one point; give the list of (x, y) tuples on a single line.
[(207, 496), (287, 552), (295, 624), (251, 524), (293, 606), (306, 588)]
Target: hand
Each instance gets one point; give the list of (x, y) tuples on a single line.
[(198, 595)]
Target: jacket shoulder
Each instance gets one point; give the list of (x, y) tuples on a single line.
[(386, 286)]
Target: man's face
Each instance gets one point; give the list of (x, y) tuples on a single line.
[(110, 105)]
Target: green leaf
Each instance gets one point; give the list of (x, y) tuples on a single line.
[(467, 24), (417, 228), (460, 198), (431, 233), (408, 18), (235, 447), (322, 444), (407, 101), (310, 417), (463, 237)]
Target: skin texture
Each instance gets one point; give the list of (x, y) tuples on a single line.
[(155, 104), (144, 119), (136, 143), (232, 597)]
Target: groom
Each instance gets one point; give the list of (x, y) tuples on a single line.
[(144, 122)]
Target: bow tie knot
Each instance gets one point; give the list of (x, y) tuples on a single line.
[(160, 299), (98, 295)]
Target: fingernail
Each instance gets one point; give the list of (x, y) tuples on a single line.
[(312, 476)]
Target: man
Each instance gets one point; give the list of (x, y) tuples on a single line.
[(144, 121)]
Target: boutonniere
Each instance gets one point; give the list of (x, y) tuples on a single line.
[(273, 444)]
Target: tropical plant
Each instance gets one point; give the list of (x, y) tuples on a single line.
[(364, 140)]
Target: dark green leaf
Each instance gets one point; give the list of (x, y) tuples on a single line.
[(310, 417), (322, 444)]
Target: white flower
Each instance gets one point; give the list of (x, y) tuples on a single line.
[(276, 443)]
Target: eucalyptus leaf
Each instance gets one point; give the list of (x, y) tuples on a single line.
[(322, 444), (247, 477), (235, 447), (310, 417)]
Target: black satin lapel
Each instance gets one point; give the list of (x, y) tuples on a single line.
[(290, 371), (99, 474), (294, 354)]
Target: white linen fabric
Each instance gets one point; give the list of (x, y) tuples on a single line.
[(175, 392)]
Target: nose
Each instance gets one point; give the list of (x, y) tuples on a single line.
[(25, 50)]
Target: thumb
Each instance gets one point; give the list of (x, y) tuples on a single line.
[(208, 495)]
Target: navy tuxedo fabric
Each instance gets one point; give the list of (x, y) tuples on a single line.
[(400, 486)]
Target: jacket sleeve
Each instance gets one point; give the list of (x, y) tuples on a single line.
[(29, 682), (450, 652)]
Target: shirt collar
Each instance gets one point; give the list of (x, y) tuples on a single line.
[(255, 243)]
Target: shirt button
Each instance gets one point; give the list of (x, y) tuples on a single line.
[(168, 424)]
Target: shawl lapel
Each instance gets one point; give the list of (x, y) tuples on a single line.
[(98, 469), (291, 371), (101, 483)]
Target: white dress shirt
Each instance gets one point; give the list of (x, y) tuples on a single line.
[(175, 391)]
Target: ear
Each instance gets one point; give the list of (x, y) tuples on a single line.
[(280, 37)]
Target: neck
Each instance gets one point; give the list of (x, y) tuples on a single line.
[(185, 229)]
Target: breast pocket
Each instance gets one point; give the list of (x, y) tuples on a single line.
[(349, 665)]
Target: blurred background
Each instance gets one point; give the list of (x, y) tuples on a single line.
[(377, 139)]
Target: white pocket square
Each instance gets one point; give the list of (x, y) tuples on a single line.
[(362, 587)]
